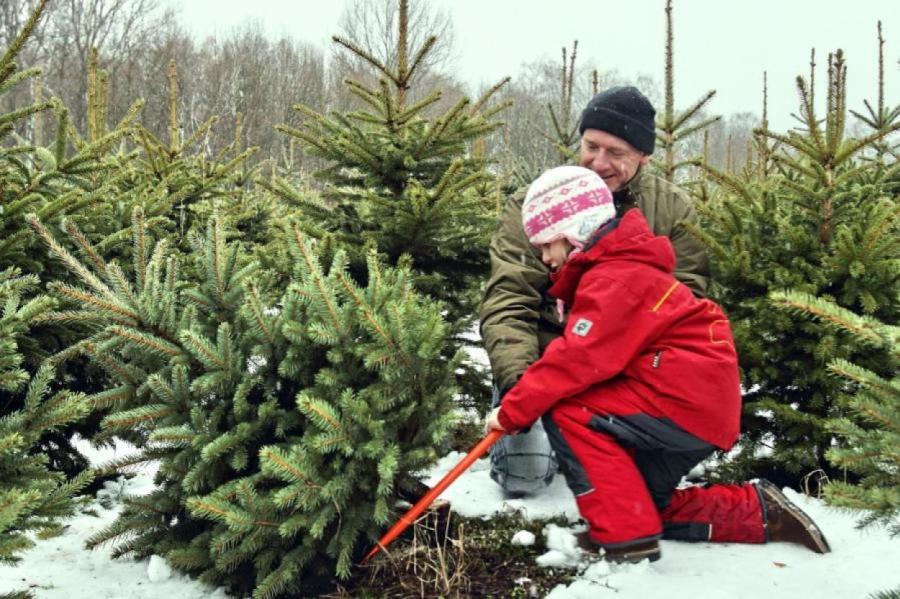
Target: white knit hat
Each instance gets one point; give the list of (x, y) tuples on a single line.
[(568, 202)]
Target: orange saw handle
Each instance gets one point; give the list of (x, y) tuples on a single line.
[(422, 504)]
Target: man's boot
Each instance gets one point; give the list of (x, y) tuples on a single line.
[(630, 554), (784, 521), (633, 554)]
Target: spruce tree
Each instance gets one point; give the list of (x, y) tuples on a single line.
[(63, 179), (406, 184), (517, 172), (881, 117), (68, 178), (817, 219), (674, 127), (33, 498), (284, 424), (869, 428)]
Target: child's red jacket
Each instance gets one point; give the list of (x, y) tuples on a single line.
[(634, 328)]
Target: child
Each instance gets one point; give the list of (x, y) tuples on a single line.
[(642, 386)]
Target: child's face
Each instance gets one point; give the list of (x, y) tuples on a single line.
[(555, 253)]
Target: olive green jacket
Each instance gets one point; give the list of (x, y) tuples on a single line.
[(518, 320)]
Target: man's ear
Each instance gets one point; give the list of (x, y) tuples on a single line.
[(645, 158)]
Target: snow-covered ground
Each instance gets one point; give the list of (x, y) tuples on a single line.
[(861, 561)]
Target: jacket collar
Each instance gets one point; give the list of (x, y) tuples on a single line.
[(627, 197), (626, 239)]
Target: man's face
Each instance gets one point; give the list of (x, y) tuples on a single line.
[(611, 157)]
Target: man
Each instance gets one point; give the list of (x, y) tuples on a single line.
[(642, 386), (518, 320)]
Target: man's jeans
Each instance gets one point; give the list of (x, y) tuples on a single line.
[(522, 464)]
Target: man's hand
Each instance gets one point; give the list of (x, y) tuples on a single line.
[(492, 423)]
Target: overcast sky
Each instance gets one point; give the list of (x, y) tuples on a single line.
[(719, 44)]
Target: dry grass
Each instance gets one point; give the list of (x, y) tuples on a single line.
[(432, 564)]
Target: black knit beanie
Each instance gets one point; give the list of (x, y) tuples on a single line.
[(624, 112)]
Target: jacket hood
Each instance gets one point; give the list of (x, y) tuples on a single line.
[(631, 240)]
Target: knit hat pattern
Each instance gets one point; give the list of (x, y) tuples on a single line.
[(624, 112), (566, 202)]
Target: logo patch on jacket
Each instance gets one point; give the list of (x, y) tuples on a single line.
[(582, 327)]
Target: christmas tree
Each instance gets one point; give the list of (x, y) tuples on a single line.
[(672, 127), (407, 185), (32, 497), (285, 424), (817, 219), (870, 427), (64, 179)]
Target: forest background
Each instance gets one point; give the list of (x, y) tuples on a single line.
[(260, 263), (257, 62)]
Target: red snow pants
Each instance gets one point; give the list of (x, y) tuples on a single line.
[(624, 466)]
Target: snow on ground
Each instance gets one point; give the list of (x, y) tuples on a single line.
[(61, 568), (861, 562)]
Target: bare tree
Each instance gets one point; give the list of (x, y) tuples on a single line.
[(13, 16), (120, 30), (373, 26), (527, 145)]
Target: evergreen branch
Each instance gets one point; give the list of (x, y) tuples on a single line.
[(258, 313), (139, 245), (10, 78), (319, 412), (128, 419), (370, 317), (200, 132), (70, 261), (277, 582), (107, 399), (868, 379), (418, 107), (691, 111), (83, 297), (82, 242), (367, 57), (497, 108), (123, 464), (426, 47), (387, 104), (275, 462), (215, 249), (16, 46), (861, 327), (23, 113), (151, 342), (725, 179), (312, 268), (791, 163), (852, 148), (809, 114), (480, 103), (555, 122), (178, 436), (121, 284), (202, 349), (367, 95), (792, 141), (681, 135), (161, 389), (110, 364)]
